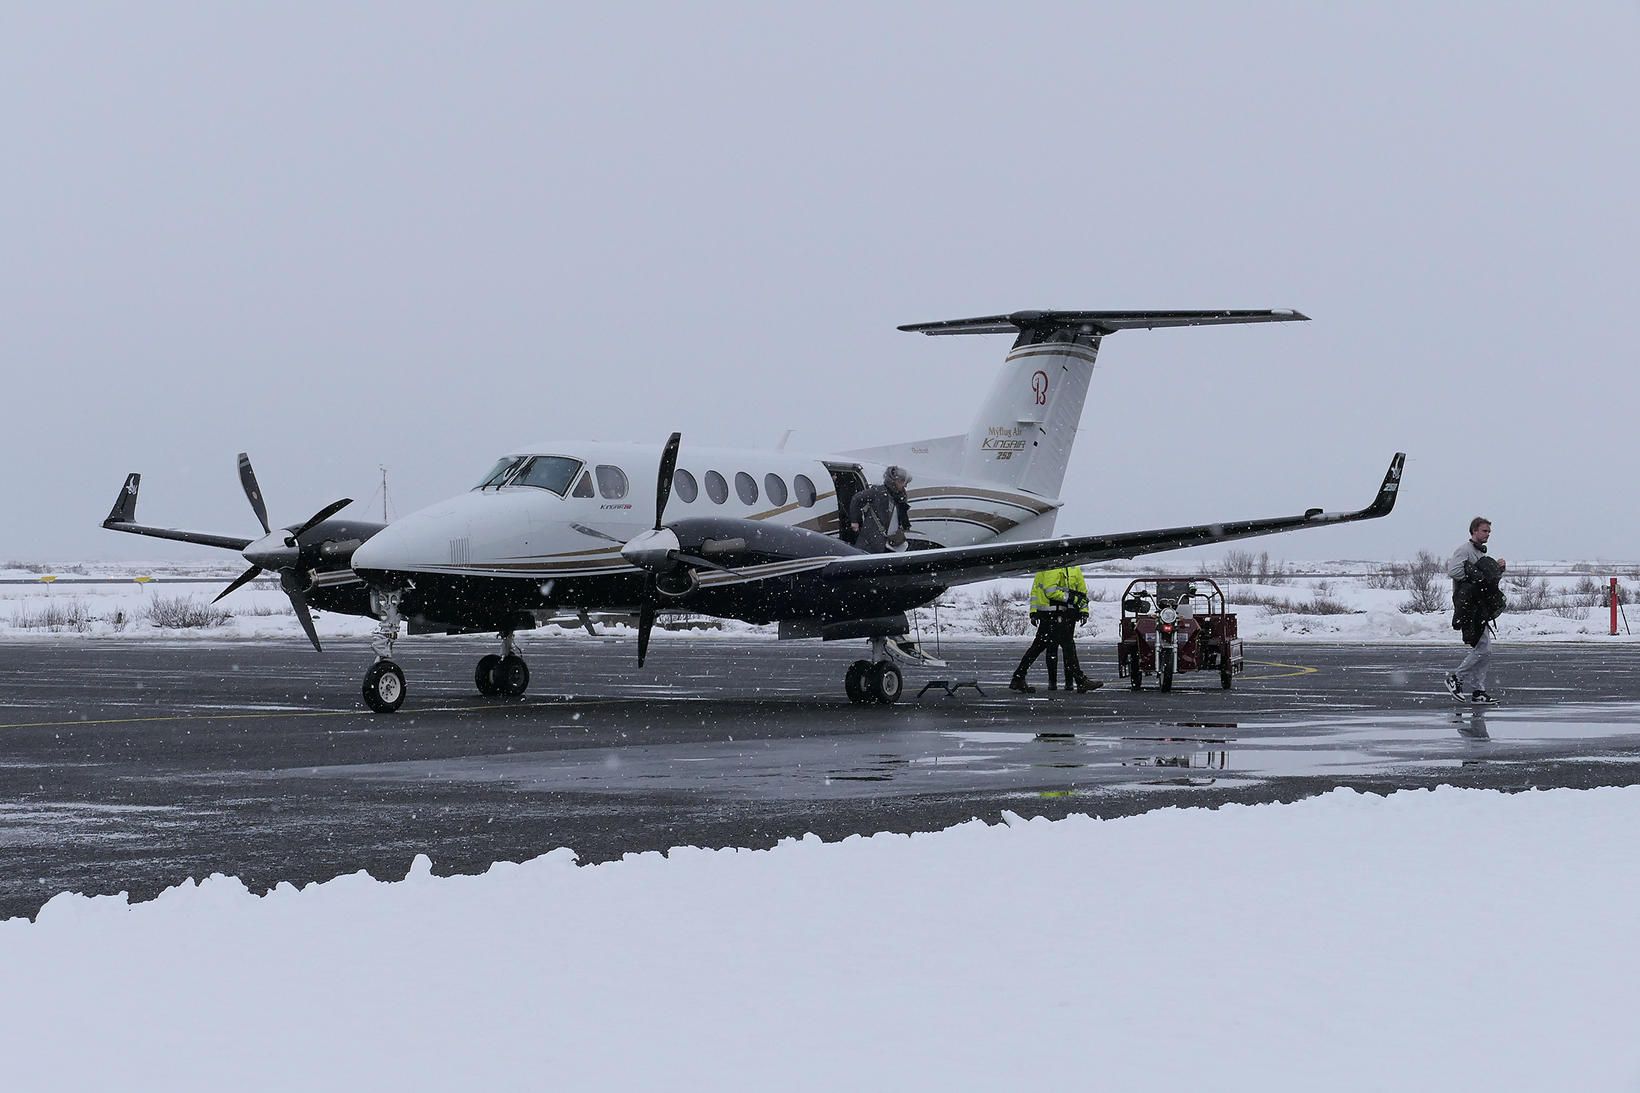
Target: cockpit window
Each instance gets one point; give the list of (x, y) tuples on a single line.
[(583, 488), (548, 472), (498, 473)]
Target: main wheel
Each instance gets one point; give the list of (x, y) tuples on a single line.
[(512, 676), (384, 687), (484, 675), (1136, 671), (1164, 666), (855, 681), (886, 683)]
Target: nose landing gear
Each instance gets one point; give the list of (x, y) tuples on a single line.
[(384, 681)]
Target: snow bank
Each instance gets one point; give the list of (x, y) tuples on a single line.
[(1452, 939)]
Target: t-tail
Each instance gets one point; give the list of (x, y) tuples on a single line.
[(1022, 437)]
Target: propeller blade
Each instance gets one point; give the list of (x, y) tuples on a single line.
[(247, 478), (663, 482), (298, 603), (646, 618), (323, 514), (596, 534), (244, 578)]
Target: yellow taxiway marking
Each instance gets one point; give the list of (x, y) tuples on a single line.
[(1297, 670), (229, 716)]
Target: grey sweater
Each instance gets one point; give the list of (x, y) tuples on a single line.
[(1466, 552)]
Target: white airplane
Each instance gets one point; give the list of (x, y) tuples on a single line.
[(558, 529)]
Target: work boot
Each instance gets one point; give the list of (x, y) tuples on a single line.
[(1084, 685), (1018, 684)]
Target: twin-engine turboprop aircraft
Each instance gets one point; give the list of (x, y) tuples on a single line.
[(558, 529)]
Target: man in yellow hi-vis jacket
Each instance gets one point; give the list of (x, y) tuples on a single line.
[(1059, 600)]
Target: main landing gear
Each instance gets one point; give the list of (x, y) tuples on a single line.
[(505, 675), (878, 682)]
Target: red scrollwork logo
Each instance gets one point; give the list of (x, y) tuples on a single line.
[(1039, 386)]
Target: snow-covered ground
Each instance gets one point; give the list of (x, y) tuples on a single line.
[(1454, 939), (1363, 613)]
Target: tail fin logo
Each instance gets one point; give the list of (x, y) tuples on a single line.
[(1039, 386)]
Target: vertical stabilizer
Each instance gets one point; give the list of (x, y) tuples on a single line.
[(1024, 430)]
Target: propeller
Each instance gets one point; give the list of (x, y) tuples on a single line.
[(280, 551), (657, 550)]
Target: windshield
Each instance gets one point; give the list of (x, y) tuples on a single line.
[(499, 472), (548, 472)]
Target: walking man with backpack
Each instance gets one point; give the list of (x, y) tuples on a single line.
[(1476, 601)]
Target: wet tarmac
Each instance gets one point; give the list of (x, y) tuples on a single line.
[(134, 765)]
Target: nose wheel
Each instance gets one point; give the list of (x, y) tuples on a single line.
[(384, 687)]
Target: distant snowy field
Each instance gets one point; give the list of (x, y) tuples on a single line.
[(1454, 939), (1314, 601)]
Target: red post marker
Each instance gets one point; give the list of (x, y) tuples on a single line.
[(1614, 607)]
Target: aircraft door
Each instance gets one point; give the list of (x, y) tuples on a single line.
[(848, 481)]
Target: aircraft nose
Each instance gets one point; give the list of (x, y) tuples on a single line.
[(390, 550)]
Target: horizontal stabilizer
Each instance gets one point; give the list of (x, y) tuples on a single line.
[(1100, 322)]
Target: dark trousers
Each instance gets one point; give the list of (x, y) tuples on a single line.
[(1054, 630)]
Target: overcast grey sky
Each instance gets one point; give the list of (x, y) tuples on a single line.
[(339, 236)]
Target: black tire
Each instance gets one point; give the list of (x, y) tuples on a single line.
[(512, 676), (1136, 673), (384, 687), (887, 684), (484, 675), (1226, 674), (1164, 666), (855, 681)]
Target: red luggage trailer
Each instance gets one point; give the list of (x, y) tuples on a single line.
[(1171, 626)]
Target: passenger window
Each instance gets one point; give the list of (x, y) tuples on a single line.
[(746, 487), (716, 488), (611, 482), (775, 488), (683, 484), (583, 488), (805, 491)]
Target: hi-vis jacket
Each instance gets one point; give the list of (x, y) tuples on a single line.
[(1052, 587)]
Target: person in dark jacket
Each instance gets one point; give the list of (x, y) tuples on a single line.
[(880, 516), (1476, 601)]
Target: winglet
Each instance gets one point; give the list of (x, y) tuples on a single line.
[(1385, 501), (125, 505)]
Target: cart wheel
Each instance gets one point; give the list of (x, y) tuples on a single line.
[(1225, 676), (1136, 672), (1164, 668)]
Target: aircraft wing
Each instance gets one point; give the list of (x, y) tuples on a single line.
[(964, 565)]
